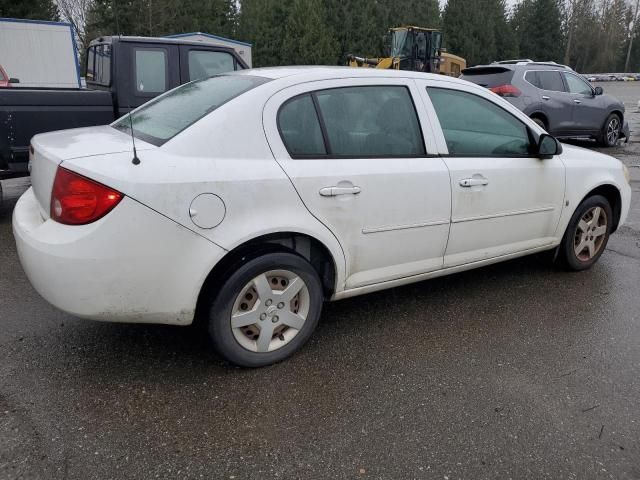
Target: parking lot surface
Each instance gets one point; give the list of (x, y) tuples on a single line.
[(517, 370)]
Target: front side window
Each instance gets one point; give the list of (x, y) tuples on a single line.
[(151, 70), (164, 117), (577, 85), (203, 64), (475, 126)]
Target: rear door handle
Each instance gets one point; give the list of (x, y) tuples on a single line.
[(472, 182), (577, 101), (335, 191), (544, 97)]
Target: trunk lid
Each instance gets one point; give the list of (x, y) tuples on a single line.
[(51, 149)]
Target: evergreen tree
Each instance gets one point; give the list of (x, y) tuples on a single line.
[(30, 9), (538, 28), (478, 31)]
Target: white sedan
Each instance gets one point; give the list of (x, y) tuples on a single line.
[(256, 195)]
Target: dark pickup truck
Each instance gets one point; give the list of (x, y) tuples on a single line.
[(121, 73)]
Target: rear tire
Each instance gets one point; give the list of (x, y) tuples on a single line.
[(611, 131), (540, 122), (587, 234), (266, 310)]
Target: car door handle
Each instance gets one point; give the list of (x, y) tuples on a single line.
[(472, 182), (335, 191), (577, 101), (544, 97)]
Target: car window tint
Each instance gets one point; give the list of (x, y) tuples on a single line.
[(577, 85), (300, 128), (474, 126), (371, 121), (533, 78), (203, 64), (151, 68), (91, 55), (551, 81), (166, 116)]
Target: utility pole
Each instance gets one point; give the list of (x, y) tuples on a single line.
[(635, 19)]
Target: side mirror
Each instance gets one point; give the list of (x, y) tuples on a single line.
[(599, 91), (548, 146), (14, 80)]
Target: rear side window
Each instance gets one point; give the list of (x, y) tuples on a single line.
[(546, 80), (355, 122), (488, 77), (474, 126), (300, 128), (204, 64), (151, 70), (164, 117)]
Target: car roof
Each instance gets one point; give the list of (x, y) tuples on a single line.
[(327, 72), (162, 40)]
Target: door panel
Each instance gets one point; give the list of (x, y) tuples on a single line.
[(502, 200), (588, 111), (518, 208), (391, 215), (555, 102)]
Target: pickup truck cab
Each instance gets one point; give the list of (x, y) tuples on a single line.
[(121, 73)]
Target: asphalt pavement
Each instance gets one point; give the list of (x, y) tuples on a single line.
[(517, 370)]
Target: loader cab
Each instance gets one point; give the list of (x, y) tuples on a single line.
[(415, 48)]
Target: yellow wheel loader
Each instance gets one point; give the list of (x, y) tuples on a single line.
[(413, 48)]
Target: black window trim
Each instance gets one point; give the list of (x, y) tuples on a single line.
[(325, 137), (530, 134), (167, 79)]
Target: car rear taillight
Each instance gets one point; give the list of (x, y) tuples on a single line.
[(77, 200), (506, 91)]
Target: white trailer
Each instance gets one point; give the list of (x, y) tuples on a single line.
[(39, 54), (243, 48)]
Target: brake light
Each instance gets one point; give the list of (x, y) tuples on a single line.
[(506, 91), (77, 200)]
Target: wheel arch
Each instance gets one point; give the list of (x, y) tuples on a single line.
[(310, 248), (613, 196), (542, 116)]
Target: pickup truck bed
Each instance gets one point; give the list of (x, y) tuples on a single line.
[(26, 112)]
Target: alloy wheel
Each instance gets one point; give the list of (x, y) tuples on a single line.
[(590, 234), (270, 311), (613, 131)]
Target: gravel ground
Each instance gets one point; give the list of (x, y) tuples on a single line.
[(511, 371)]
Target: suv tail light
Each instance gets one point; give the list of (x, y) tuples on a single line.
[(77, 200), (506, 91)]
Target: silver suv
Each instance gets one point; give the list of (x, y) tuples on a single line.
[(560, 100)]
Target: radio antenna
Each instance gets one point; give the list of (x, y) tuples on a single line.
[(135, 160)]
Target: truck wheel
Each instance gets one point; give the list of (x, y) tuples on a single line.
[(266, 310), (611, 131), (587, 234)]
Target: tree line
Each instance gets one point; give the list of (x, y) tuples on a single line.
[(589, 35)]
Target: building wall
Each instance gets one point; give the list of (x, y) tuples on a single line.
[(39, 54)]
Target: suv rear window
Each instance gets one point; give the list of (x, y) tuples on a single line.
[(166, 116), (488, 77)]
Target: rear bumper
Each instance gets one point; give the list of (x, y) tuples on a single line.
[(133, 265)]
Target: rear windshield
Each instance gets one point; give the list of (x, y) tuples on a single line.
[(163, 118), (488, 77)]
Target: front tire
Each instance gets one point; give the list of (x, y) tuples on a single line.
[(611, 131), (587, 234), (266, 310)]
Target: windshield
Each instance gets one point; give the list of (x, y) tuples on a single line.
[(401, 43), (164, 117)]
